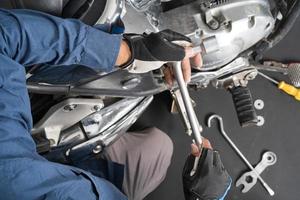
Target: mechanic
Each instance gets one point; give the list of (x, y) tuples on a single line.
[(28, 38)]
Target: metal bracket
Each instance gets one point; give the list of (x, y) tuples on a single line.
[(236, 80), (203, 79), (65, 114)]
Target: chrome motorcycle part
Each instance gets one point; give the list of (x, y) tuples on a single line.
[(98, 122), (106, 85), (234, 25), (260, 121), (64, 115), (203, 79), (243, 103), (193, 120), (112, 133), (151, 8), (237, 79), (72, 135), (221, 126), (249, 179), (112, 11), (259, 104)]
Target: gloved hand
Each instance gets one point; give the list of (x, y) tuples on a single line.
[(151, 51), (211, 181)]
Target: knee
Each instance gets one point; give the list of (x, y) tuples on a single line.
[(162, 145)]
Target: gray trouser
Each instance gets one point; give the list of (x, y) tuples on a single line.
[(146, 156)]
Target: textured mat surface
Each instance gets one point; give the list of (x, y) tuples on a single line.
[(280, 133)]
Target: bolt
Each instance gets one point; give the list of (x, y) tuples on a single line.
[(97, 149), (197, 33), (251, 76), (69, 108), (97, 108), (214, 24)]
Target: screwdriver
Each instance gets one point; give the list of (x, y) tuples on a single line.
[(287, 88)]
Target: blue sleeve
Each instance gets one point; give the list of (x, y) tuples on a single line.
[(31, 37), (28, 38), (23, 173)]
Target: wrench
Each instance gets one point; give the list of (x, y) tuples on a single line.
[(249, 179), (267, 187), (195, 125)]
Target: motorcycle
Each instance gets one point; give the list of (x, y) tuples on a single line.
[(81, 117)]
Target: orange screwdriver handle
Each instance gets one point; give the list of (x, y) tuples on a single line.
[(289, 89)]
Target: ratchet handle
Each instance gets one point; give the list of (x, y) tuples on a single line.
[(243, 102)]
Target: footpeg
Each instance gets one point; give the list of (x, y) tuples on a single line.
[(243, 102)]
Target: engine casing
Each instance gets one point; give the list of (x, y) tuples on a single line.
[(225, 27)]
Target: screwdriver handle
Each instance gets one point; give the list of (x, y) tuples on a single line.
[(289, 89)]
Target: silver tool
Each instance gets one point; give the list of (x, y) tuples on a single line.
[(261, 121), (195, 125), (205, 77), (292, 70), (259, 104), (249, 179), (267, 187), (269, 78), (178, 107), (294, 74)]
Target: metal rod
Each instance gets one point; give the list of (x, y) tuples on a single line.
[(221, 125), (269, 78), (281, 70), (196, 127)]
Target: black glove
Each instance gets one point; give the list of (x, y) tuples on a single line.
[(211, 181), (151, 51)]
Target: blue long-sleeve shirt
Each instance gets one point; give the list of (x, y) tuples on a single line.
[(28, 38)]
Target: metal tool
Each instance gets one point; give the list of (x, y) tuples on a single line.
[(287, 88), (203, 78), (195, 125), (221, 125), (292, 70), (249, 179), (294, 73), (261, 121), (259, 104), (178, 107)]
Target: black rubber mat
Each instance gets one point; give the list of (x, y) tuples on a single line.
[(279, 134)]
